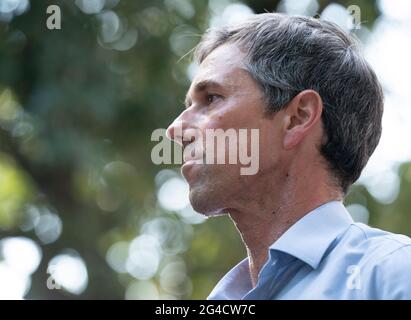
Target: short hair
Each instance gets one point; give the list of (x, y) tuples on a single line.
[(288, 54)]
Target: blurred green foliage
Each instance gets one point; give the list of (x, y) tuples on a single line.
[(77, 108)]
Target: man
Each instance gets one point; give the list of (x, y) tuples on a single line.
[(317, 105)]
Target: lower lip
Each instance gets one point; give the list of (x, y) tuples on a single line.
[(187, 166)]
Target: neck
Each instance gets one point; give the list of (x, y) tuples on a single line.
[(262, 221)]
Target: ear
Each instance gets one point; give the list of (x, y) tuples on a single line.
[(302, 117)]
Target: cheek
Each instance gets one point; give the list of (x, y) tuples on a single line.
[(270, 146), (234, 113), (223, 120)]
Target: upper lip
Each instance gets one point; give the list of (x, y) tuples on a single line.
[(187, 159), (185, 142), (189, 156)]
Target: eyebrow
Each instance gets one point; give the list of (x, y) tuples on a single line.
[(201, 86)]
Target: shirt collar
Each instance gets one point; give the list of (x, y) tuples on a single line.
[(308, 240), (234, 285), (310, 237)]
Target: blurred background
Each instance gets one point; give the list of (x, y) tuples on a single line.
[(84, 213)]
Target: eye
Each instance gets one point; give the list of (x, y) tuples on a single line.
[(211, 98)]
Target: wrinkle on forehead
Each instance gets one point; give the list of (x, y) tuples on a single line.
[(225, 64)]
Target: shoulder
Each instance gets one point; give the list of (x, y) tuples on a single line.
[(386, 263), (393, 274)]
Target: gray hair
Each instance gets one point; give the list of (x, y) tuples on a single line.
[(288, 54)]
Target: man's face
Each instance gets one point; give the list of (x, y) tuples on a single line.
[(224, 96)]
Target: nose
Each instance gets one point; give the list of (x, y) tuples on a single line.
[(175, 131), (182, 130)]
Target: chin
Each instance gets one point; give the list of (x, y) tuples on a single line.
[(205, 203)]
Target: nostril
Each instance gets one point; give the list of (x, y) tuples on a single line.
[(185, 143), (188, 139)]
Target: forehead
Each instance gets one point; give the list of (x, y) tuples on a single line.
[(224, 65)]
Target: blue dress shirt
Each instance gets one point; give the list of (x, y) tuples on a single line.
[(325, 255)]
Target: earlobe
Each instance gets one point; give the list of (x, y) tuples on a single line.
[(291, 139), (291, 131)]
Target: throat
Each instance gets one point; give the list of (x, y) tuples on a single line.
[(258, 235)]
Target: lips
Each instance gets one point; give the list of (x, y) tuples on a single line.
[(193, 152), (186, 168), (188, 165), (197, 160), (191, 159)]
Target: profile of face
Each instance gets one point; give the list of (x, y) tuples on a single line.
[(223, 95)]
